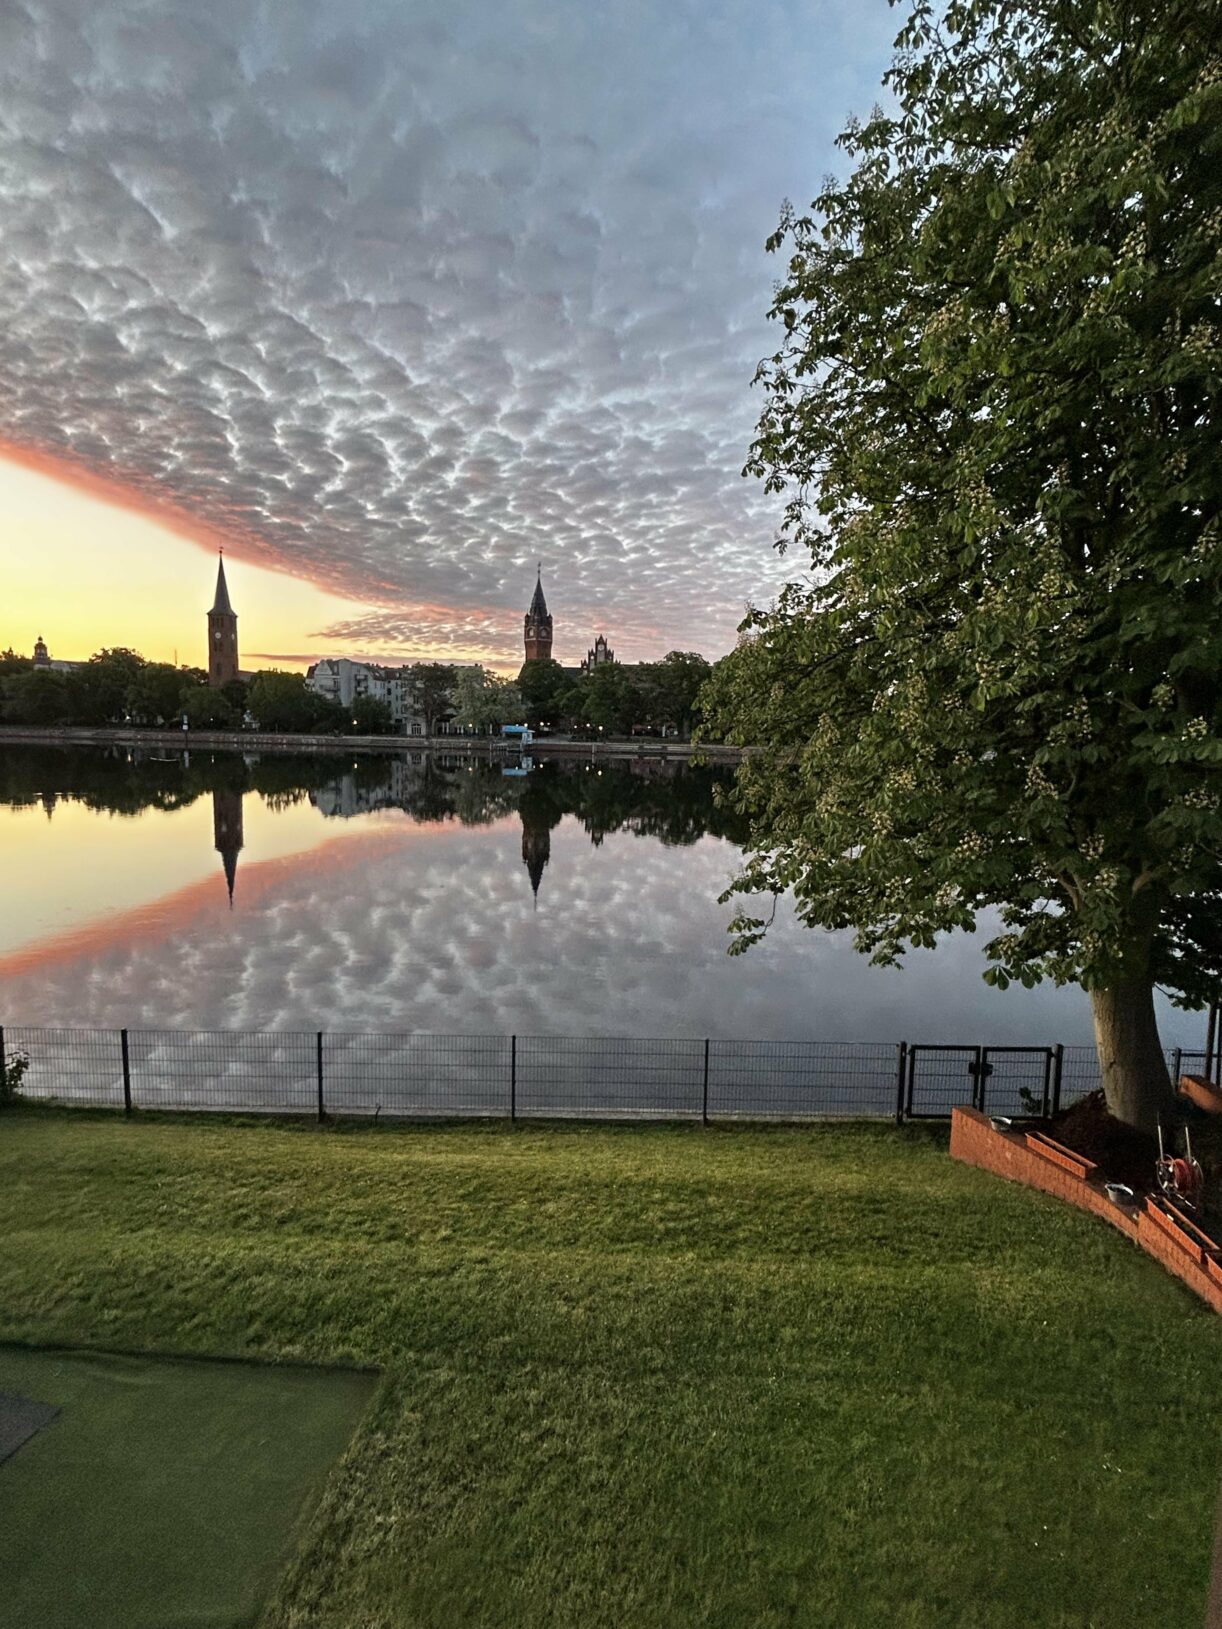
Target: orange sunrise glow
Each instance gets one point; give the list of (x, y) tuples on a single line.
[(88, 565)]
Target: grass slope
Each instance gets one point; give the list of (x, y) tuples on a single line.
[(656, 1376)]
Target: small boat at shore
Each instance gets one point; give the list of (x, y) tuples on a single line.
[(1204, 1093)]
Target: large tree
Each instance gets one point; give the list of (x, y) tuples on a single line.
[(994, 416), (284, 702), (483, 701), (434, 686), (542, 684)]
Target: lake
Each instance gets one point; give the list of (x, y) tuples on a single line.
[(437, 894)]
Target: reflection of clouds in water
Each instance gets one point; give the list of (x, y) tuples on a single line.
[(438, 933)]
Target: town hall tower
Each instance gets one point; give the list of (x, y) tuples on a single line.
[(538, 625)]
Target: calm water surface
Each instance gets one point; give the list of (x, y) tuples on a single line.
[(439, 895)]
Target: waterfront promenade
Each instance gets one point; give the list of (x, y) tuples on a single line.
[(483, 746)]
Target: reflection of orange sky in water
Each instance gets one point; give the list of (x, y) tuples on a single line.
[(203, 906)]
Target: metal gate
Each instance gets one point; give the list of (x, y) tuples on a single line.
[(1015, 1080)]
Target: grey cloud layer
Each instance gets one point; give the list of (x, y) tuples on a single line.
[(407, 297)]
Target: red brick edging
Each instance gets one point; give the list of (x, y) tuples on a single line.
[(1036, 1159)]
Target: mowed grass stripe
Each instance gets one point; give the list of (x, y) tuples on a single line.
[(659, 1375)]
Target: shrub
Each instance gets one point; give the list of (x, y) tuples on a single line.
[(11, 1077)]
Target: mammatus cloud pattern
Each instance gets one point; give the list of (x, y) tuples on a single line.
[(403, 298)]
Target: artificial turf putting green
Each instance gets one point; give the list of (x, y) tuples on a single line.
[(657, 1377), (166, 1493)]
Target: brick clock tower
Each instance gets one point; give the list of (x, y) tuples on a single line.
[(222, 635), (538, 625)]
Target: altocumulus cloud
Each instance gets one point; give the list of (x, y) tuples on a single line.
[(403, 297)]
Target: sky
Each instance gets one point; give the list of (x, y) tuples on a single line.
[(396, 301)]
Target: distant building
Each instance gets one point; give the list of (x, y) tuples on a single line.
[(538, 632), (599, 656), (340, 679), (222, 635), (43, 659)]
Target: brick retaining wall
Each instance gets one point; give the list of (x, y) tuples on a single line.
[(1033, 1158)]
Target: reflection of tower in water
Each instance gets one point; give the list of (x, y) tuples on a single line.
[(536, 851), (539, 814), (227, 833)]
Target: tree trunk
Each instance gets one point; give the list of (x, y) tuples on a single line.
[(1131, 1060)]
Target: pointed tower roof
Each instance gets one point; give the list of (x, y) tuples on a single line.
[(538, 605), (229, 859), (221, 602)]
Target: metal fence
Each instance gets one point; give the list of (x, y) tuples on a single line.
[(327, 1073)]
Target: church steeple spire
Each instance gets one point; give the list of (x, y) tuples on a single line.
[(222, 634), (221, 602)]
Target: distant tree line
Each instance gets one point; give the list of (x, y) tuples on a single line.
[(617, 697), (119, 687)]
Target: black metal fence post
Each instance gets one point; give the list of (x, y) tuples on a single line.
[(901, 1069), (1177, 1066), (513, 1077), (704, 1107), (322, 1107), (3, 1064), (127, 1072), (1058, 1069)]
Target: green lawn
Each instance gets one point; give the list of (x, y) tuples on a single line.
[(166, 1491), (657, 1377)]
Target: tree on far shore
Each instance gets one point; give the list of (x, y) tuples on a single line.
[(207, 709), (36, 696), (371, 716), (283, 702), (994, 414), (434, 682), (483, 701)]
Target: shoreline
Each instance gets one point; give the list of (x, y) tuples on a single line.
[(489, 746)]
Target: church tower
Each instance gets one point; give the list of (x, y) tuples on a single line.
[(538, 625), (222, 634)]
